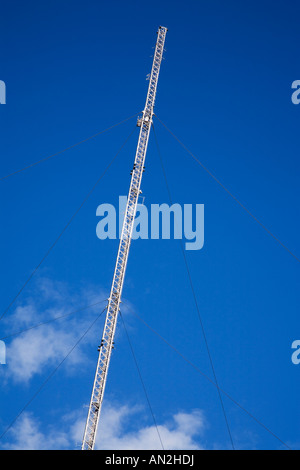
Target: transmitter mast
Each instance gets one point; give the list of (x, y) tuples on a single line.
[(107, 341)]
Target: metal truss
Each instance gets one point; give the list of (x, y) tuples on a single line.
[(106, 346)]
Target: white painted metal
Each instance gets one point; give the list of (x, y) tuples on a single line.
[(122, 257)]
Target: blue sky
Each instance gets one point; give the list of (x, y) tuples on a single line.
[(75, 68)]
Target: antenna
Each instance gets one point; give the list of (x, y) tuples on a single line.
[(107, 342)]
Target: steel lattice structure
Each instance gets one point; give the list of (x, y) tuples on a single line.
[(107, 342)]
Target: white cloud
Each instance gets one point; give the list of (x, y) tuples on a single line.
[(26, 435), (181, 432), (35, 350), (32, 351)]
